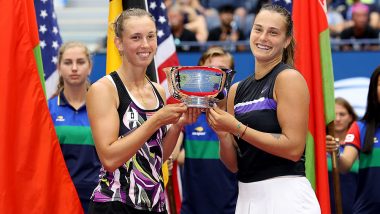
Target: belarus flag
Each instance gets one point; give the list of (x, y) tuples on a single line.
[(313, 60)]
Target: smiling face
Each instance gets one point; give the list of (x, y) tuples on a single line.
[(138, 42), (268, 36), (74, 66)]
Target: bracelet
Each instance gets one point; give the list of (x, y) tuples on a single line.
[(242, 134), (237, 133)]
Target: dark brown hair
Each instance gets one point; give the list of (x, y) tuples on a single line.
[(372, 113)]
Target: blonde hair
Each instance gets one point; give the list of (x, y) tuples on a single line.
[(216, 51)]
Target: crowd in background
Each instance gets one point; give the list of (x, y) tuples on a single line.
[(230, 21), (204, 21)]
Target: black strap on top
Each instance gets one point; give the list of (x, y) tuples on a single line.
[(160, 100), (124, 97)]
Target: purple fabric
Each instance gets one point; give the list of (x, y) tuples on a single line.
[(264, 104)]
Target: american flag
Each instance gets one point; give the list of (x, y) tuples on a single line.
[(166, 55), (50, 41)]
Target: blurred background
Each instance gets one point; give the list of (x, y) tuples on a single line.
[(197, 24)]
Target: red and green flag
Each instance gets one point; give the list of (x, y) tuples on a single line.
[(313, 60), (34, 173)]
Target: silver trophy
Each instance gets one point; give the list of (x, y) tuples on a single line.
[(198, 86)]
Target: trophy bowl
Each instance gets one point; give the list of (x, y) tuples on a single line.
[(198, 86)]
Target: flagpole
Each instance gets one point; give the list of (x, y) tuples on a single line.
[(335, 173), (170, 191)]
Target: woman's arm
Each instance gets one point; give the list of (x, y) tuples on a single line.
[(102, 103), (179, 152), (227, 142), (347, 158), (292, 96), (228, 151), (199, 27)]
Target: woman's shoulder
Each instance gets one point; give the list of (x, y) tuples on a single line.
[(234, 86), (104, 82), (290, 74), (290, 83), (102, 95), (102, 87)]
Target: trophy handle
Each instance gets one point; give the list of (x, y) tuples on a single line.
[(171, 76), (230, 74)]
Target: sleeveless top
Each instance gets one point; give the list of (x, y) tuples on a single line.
[(255, 107), (138, 182)]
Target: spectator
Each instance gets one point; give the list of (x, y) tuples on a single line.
[(180, 33), (374, 16), (193, 20), (228, 29), (69, 114), (344, 117), (245, 14), (362, 141), (360, 29), (335, 20)]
